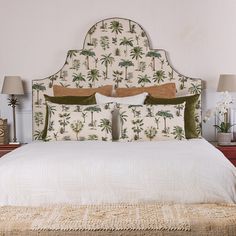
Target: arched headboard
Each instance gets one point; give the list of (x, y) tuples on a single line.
[(116, 51)]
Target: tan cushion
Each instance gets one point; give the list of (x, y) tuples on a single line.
[(158, 91), (63, 91)]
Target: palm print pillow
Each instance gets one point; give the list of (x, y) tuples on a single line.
[(151, 122), (79, 122)]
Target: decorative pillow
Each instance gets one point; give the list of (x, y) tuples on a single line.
[(70, 100), (134, 100), (151, 122), (160, 91), (79, 122), (189, 112), (63, 91)]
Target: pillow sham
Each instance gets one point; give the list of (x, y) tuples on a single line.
[(79, 122), (63, 91), (189, 111), (151, 122), (134, 100), (167, 90), (69, 100)]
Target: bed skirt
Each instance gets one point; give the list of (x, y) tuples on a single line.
[(119, 220)]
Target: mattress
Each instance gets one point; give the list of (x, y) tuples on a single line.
[(93, 172)]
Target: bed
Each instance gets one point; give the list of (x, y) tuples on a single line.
[(159, 177)]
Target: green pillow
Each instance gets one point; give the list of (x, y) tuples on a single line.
[(72, 100), (189, 112), (67, 100)]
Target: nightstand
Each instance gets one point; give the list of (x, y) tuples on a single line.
[(229, 152), (5, 148)]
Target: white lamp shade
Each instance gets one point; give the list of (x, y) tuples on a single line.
[(12, 85), (227, 82)]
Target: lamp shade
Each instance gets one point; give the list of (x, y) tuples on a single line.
[(12, 85), (227, 82)]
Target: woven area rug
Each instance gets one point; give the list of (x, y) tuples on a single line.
[(113, 217)]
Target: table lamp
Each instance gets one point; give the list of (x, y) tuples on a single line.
[(12, 85)]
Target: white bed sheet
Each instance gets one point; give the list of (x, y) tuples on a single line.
[(93, 172)]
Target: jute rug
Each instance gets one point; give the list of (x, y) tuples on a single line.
[(115, 217)]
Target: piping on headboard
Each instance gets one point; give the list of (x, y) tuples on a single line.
[(116, 51)]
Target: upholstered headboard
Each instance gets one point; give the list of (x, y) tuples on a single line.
[(116, 51)]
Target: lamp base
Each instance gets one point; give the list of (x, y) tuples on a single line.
[(14, 143)]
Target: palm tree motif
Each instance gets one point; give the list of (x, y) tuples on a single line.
[(136, 113), (137, 128), (92, 109), (151, 132), (137, 39), (90, 33), (84, 115), (64, 121), (126, 64), (107, 60), (105, 125), (116, 27), (75, 65), (195, 89), (179, 107), (153, 55), (77, 78), (77, 127), (70, 54), (143, 79), (157, 122), (178, 132), (92, 137), (171, 74), (182, 79), (93, 76), (63, 75), (123, 119), (150, 111), (117, 77), (159, 76), (55, 135), (165, 115), (104, 42), (52, 79), (38, 118), (146, 44), (50, 109), (87, 53), (38, 134), (65, 108), (137, 53), (103, 26), (131, 28), (38, 87), (126, 42), (142, 66)]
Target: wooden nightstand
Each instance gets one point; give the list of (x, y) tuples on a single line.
[(229, 152), (5, 148)]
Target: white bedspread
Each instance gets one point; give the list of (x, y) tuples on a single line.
[(104, 172)]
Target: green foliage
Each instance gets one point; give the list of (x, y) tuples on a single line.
[(224, 127)]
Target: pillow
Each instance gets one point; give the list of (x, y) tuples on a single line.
[(63, 91), (79, 122), (134, 100), (83, 100), (189, 112), (161, 91), (151, 122)]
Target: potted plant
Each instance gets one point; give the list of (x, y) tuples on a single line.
[(221, 112)]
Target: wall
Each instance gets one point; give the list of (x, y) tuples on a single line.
[(200, 37)]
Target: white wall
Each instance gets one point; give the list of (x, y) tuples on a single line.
[(200, 37)]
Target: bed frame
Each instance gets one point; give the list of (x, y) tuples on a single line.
[(116, 51)]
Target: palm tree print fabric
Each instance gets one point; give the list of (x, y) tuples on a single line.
[(79, 122), (151, 122), (116, 51)]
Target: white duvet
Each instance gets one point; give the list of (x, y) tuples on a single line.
[(111, 172)]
